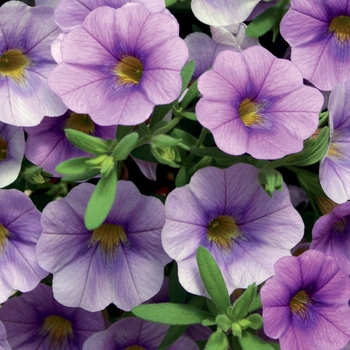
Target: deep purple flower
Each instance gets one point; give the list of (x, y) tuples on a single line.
[(35, 320), (12, 146), (19, 232), (47, 145), (4, 345), (70, 14), (331, 235), (129, 60), (305, 304), (25, 62), (119, 262), (335, 166), (319, 35), (253, 102), (133, 333), (229, 213)]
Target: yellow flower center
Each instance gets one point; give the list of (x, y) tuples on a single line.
[(249, 112), (334, 151), (325, 204), (12, 64), (4, 233), (80, 122), (109, 236), (298, 304), (340, 225), (129, 70), (58, 329), (340, 26), (3, 149), (222, 230), (135, 347)]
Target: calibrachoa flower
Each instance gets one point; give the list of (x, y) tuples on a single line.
[(19, 232), (25, 62), (319, 35), (70, 14), (253, 102), (229, 213), (4, 345), (47, 145), (222, 12), (119, 262), (35, 320), (305, 304), (129, 60), (12, 146), (331, 235), (335, 166), (134, 334)]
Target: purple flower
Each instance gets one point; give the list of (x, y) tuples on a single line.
[(133, 333), (305, 304), (331, 235), (12, 146), (4, 345), (119, 262), (222, 12), (129, 60), (47, 145), (335, 167), (319, 35), (70, 14), (19, 232), (35, 320), (229, 213), (25, 62), (253, 102)]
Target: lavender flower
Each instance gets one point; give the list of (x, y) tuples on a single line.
[(129, 60), (35, 320), (12, 146), (253, 102), (229, 213), (25, 62), (335, 166), (4, 345), (120, 262), (134, 334), (19, 232), (305, 304), (319, 35)]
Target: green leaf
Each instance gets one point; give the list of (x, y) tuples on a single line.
[(86, 142), (190, 95), (88, 174), (173, 334), (101, 200), (159, 113), (217, 341), (170, 2), (250, 341), (242, 304), (122, 131), (162, 140), (144, 153), (256, 321), (181, 177), (189, 115), (212, 278), (186, 74), (73, 166), (270, 180), (177, 294), (170, 313), (186, 137), (266, 21), (125, 146)]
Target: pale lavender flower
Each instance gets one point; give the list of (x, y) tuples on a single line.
[(25, 63), (335, 166), (19, 232), (35, 320), (256, 103), (229, 213), (331, 235), (319, 35), (47, 145), (12, 146), (133, 333), (4, 345), (305, 305), (129, 60), (120, 262)]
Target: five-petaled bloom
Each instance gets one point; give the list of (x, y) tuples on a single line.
[(305, 304)]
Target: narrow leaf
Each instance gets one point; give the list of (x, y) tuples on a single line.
[(88, 174), (186, 74), (190, 95), (144, 153), (73, 166), (217, 341), (86, 142), (101, 200), (170, 313), (177, 294), (173, 334), (125, 146), (212, 279), (250, 341)]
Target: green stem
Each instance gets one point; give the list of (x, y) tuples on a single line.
[(198, 144), (168, 127), (141, 141)]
